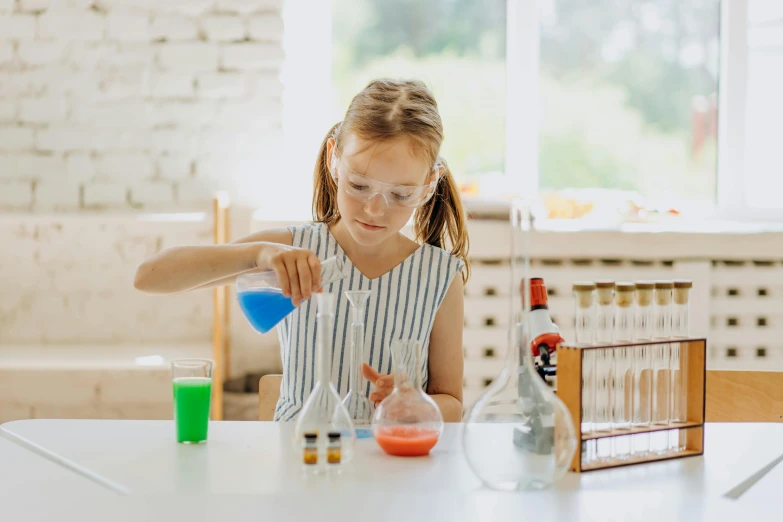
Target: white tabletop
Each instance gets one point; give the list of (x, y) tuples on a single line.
[(25, 474), (255, 463)]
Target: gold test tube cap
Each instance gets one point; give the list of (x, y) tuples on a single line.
[(584, 290), (605, 292), (682, 288), (644, 292), (624, 294)]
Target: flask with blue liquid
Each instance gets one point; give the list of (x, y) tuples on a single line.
[(262, 301)]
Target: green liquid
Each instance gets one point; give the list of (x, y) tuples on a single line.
[(191, 407)]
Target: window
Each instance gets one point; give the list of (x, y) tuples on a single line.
[(628, 92), (457, 47), (675, 101), (764, 109)]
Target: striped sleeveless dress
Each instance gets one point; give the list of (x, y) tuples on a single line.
[(402, 305)]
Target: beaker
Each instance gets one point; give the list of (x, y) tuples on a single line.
[(262, 301), (359, 407), (323, 412), (519, 435), (407, 423)]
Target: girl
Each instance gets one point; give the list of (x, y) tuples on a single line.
[(375, 169)]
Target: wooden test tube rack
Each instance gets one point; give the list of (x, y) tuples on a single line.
[(692, 362)]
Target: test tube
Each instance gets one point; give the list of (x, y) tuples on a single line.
[(642, 400), (661, 360), (604, 366), (622, 402), (585, 321), (679, 382)]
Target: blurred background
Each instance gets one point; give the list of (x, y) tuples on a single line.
[(647, 133)]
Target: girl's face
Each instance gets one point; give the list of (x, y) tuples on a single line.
[(394, 161)]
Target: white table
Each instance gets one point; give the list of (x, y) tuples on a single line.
[(24, 473), (249, 468)]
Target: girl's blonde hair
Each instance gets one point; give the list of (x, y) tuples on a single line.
[(388, 109)]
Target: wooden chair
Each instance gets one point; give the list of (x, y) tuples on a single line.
[(268, 393), (744, 396)]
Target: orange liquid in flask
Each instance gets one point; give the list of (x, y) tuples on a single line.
[(406, 441)]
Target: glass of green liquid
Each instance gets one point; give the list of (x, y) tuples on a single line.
[(192, 383)]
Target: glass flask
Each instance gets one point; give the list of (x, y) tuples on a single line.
[(519, 435), (323, 412), (407, 423), (262, 301), (359, 407)]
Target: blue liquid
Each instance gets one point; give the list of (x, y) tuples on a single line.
[(363, 433), (264, 307)]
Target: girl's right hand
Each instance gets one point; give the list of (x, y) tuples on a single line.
[(297, 269)]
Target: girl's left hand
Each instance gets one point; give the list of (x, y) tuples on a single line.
[(384, 384)]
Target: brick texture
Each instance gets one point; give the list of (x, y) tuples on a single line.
[(130, 95), (108, 109)]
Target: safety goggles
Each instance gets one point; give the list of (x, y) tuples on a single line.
[(363, 189)]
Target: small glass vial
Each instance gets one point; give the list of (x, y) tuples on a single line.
[(679, 356), (310, 451), (585, 321), (622, 402), (642, 400), (661, 360), (334, 449)]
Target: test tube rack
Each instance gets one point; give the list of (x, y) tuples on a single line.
[(569, 390)]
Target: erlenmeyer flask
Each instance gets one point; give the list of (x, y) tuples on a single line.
[(262, 301), (519, 435), (323, 412), (359, 407), (407, 423)]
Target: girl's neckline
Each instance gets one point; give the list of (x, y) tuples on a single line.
[(350, 264)]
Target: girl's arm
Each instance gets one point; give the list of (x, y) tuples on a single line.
[(446, 364), (180, 269)]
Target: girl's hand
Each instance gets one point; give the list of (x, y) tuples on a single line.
[(298, 270), (384, 384)]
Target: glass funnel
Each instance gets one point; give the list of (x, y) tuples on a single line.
[(519, 435), (323, 412), (359, 407), (262, 301), (407, 423)]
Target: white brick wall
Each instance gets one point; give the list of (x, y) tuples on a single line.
[(265, 28), (71, 25), (128, 26), (17, 27), (109, 107), (224, 28), (14, 139), (173, 28), (76, 283), (129, 96)]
